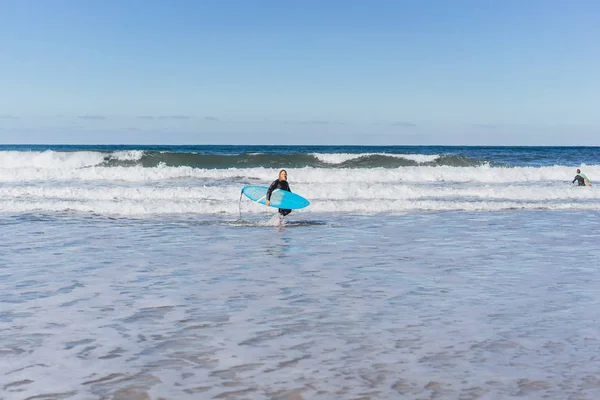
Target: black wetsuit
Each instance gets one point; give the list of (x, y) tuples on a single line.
[(580, 180), (282, 185)]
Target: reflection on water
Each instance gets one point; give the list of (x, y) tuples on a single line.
[(280, 247), (432, 305)]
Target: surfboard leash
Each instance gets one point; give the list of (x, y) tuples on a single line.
[(240, 204)]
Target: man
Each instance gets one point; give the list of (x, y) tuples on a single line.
[(582, 179), (282, 184)]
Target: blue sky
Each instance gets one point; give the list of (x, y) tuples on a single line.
[(300, 72)]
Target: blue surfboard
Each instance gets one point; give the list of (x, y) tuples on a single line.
[(279, 198)]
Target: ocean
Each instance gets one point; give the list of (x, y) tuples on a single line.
[(417, 272)]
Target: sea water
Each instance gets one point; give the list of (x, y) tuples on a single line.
[(415, 273)]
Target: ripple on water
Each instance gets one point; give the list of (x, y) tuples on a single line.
[(427, 306)]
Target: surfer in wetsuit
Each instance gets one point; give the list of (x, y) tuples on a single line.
[(282, 184), (582, 179)]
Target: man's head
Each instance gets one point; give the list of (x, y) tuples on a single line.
[(578, 171)]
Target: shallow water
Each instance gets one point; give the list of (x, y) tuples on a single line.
[(456, 305)]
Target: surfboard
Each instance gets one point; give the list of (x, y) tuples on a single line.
[(279, 198)]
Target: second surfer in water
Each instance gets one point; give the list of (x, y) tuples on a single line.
[(282, 184), (581, 179)]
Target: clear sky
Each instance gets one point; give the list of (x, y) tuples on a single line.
[(498, 72)]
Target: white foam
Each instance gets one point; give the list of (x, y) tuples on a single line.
[(339, 158), (49, 159), (322, 193), (420, 158), (65, 186), (481, 174), (329, 198), (128, 155)]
